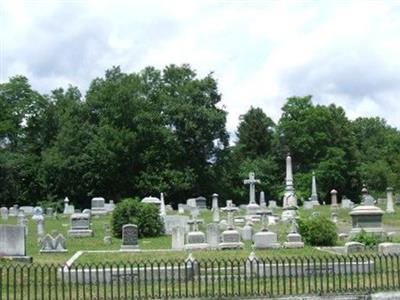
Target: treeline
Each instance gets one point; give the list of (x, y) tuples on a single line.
[(164, 130)]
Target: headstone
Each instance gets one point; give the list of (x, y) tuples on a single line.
[(272, 204), (191, 203), (40, 228), (213, 235), (80, 225), (50, 212), (353, 247), (87, 211), (389, 202), (367, 217), (294, 239), (239, 220), (334, 203), (308, 205), (12, 241), (265, 239), (201, 202), (389, 248), (98, 207), (28, 210), (107, 235), (247, 232), (68, 209), (230, 237), (252, 207), (196, 240), (4, 213), (13, 211), (163, 212), (109, 207), (20, 217), (347, 203), (37, 214), (223, 225), (168, 208), (178, 238), (314, 195), (343, 236), (263, 204), (289, 198), (171, 221), (53, 244), (181, 210), (129, 237)]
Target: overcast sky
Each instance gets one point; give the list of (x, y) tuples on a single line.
[(261, 52)]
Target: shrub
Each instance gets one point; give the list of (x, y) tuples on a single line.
[(368, 239), (318, 231), (132, 211)]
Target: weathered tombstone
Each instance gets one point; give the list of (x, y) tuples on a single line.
[(80, 226), (334, 203), (98, 206), (294, 239), (389, 203), (195, 240), (215, 209), (37, 213), (87, 211), (109, 207), (129, 237), (4, 213), (265, 239), (263, 204), (389, 248), (12, 242), (171, 221), (223, 225), (178, 238), (191, 203), (107, 235), (13, 211), (68, 209), (213, 235), (353, 247), (28, 210), (252, 207), (40, 227), (347, 203)]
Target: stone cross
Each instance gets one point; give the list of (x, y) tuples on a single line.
[(252, 184), (230, 209)]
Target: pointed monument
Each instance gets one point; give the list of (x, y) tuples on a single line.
[(289, 198), (314, 195)]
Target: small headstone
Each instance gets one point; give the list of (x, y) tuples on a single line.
[(129, 237), (40, 227), (334, 218), (178, 238), (230, 237), (272, 204), (181, 210), (343, 236), (347, 203), (247, 232), (12, 240), (223, 225), (294, 239), (37, 214), (191, 203), (98, 206), (389, 248), (168, 208), (28, 210), (201, 202), (50, 212), (308, 205), (13, 211), (353, 247), (4, 213), (213, 235), (263, 204), (171, 221)]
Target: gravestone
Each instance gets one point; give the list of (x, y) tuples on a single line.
[(288, 214), (40, 227), (230, 238), (53, 244), (80, 225), (347, 203), (201, 202), (20, 217), (265, 239), (163, 212), (389, 248), (68, 209), (195, 240), (181, 209), (353, 247), (37, 214), (171, 221), (215, 208), (129, 237), (28, 210), (289, 197), (107, 235), (252, 207), (389, 202), (88, 212), (4, 213), (223, 225), (294, 239), (367, 217), (13, 211), (191, 203), (50, 212), (98, 206), (247, 232), (213, 235), (272, 204), (178, 238), (334, 203), (314, 195), (334, 217), (263, 204), (13, 242), (109, 207)]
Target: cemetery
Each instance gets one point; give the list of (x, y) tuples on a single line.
[(211, 251)]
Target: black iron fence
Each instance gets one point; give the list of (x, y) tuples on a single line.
[(193, 278)]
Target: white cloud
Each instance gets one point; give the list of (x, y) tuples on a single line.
[(261, 52)]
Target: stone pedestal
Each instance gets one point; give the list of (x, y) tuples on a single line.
[(334, 203), (266, 240)]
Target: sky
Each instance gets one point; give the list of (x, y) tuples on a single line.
[(261, 52)]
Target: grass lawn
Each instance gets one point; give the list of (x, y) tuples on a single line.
[(164, 242)]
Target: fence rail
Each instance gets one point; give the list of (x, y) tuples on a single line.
[(202, 278)]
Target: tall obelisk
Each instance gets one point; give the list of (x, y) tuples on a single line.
[(289, 198), (314, 195)]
